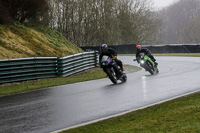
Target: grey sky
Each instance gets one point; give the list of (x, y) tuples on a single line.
[(158, 4)]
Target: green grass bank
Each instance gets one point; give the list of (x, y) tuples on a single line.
[(33, 40)]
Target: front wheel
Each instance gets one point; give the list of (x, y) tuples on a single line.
[(148, 68), (151, 72), (112, 76)]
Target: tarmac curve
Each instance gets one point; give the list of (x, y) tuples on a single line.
[(62, 107)]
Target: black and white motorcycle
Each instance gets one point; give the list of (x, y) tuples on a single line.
[(113, 71)]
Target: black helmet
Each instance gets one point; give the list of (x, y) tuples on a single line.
[(104, 47)]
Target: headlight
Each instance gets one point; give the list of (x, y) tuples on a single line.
[(142, 61)]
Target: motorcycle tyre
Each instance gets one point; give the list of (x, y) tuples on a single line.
[(124, 78), (114, 80), (156, 70), (149, 70)]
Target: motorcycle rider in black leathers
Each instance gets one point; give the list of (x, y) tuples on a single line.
[(111, 53), (146, 52)]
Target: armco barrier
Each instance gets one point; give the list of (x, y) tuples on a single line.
[(22, 69), (12, 70), (76, 63)]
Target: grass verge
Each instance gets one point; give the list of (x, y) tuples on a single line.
[(13, 88), (177, 116), (96, 73)]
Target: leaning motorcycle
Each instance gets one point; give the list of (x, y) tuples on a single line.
[(146, 63), (112, 70)]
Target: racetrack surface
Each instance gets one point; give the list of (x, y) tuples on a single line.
[(55, 108)]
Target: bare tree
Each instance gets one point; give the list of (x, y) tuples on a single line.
[(190, 32), (175, 19), (92, 22)]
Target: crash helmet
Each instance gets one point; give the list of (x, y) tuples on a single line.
[(138, 47), (104, 47)]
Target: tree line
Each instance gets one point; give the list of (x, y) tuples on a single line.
[(93, 22), (89, 22)]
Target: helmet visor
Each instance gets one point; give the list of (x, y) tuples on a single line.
[(103, 49)]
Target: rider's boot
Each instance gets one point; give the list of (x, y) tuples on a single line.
[(154, 60), (123, 70)]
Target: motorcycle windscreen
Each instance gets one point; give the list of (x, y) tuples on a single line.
[(141, 55), (104, 58)]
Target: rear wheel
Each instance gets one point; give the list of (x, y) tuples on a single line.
[(124, 78), (156, 70)]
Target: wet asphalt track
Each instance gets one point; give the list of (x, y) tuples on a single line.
[(60, 107)]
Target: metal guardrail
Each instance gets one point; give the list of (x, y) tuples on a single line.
[(76, 63), (22, 69)]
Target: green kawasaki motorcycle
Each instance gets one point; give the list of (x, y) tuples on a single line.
[(146, 63)]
